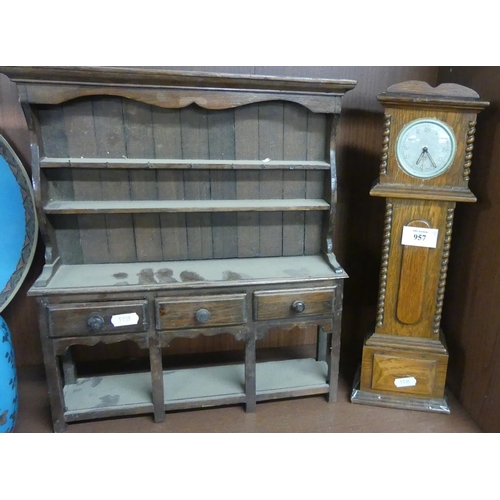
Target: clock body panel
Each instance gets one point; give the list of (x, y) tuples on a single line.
[(413, 278)]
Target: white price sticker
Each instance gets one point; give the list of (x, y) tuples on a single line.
[(420, 237), (405, 382), (125, 319)]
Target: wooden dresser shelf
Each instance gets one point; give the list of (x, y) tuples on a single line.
[(142, 163), (131, 276), (182, 206)]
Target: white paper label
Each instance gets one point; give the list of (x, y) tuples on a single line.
[(420, 237), (125, 319), (405, 382)]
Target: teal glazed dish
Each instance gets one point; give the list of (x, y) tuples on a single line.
[(18, 237), (18, 223), (8, 381)]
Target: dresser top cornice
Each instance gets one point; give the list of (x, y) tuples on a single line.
[(54, 85), (143, 77)]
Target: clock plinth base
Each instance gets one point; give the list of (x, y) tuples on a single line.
[(437, 405), (402, 372)]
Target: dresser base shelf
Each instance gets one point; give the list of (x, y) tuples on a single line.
[(113, 395)]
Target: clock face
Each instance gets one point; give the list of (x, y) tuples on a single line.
[(425, 148)]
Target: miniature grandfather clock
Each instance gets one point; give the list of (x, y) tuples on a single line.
[(425, 168)]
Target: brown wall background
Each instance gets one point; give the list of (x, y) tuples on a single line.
[(471, 316)]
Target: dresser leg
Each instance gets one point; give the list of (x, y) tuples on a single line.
[(335, 337), (157, 380), (250, 381), (55, 386), (69, 368), (333, 367), (321, 345)]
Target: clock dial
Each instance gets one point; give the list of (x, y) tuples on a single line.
[(425, 148)]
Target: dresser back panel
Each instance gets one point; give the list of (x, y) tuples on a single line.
[(118, 128)]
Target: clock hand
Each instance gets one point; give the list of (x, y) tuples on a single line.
[(421, 156), (425, 151), (430, 158)]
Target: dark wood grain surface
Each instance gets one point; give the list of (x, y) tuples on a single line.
[(119, 125)]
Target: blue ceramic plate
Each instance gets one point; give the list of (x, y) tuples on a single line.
[(18, 223)]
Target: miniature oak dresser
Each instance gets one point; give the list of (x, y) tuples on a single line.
[(177, 204)]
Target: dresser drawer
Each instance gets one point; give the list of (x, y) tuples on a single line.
[(97, 318), (200, 312), (295, 303)]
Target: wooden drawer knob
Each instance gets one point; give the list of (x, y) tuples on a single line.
[(95, 322), (202, 315), (298, 306)]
